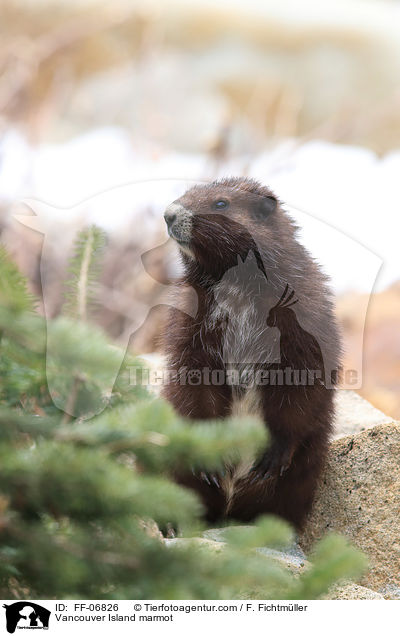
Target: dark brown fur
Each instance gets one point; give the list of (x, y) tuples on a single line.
[(299, 418)]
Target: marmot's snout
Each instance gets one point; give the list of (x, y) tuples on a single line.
[(179, 222)]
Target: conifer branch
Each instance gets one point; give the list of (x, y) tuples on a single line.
[(84, 272)]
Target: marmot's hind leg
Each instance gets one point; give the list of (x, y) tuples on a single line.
[(290, 495)]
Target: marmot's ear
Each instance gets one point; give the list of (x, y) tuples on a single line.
[(268, 205)]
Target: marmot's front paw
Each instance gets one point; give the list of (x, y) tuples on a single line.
[(272, 465), (209, 478)]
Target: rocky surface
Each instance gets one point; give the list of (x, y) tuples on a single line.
[(353, 592), (359, 497), (295, 560), (292, 557), (391, 592), (354, 414), (196, 541)]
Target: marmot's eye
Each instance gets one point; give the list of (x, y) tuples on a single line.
[(221, 204)]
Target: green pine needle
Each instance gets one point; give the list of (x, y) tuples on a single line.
[(13, 286), (84, 270)]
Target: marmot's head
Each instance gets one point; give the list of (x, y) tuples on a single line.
[(213, 224)]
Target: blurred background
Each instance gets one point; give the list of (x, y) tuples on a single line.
[(108, 111)]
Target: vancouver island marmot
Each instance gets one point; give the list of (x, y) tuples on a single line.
[(265, 312)]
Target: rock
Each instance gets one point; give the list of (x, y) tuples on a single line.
[(391, 592), (292, 557), (353, 592), (194, 542), (359, 497), (354, 414), (217, 534)]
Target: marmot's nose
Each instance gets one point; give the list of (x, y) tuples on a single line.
[(175, 212), (179, 222), (170, 217)]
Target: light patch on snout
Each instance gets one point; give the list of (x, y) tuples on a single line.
[(181, 228)]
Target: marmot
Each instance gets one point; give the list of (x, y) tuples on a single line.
[(264, 312)]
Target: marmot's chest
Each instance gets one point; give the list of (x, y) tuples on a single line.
[(243, 335), (247, 402)]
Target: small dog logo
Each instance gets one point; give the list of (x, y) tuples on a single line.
[(26, 615)]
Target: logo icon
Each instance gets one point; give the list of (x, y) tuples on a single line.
[(26, 615)]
